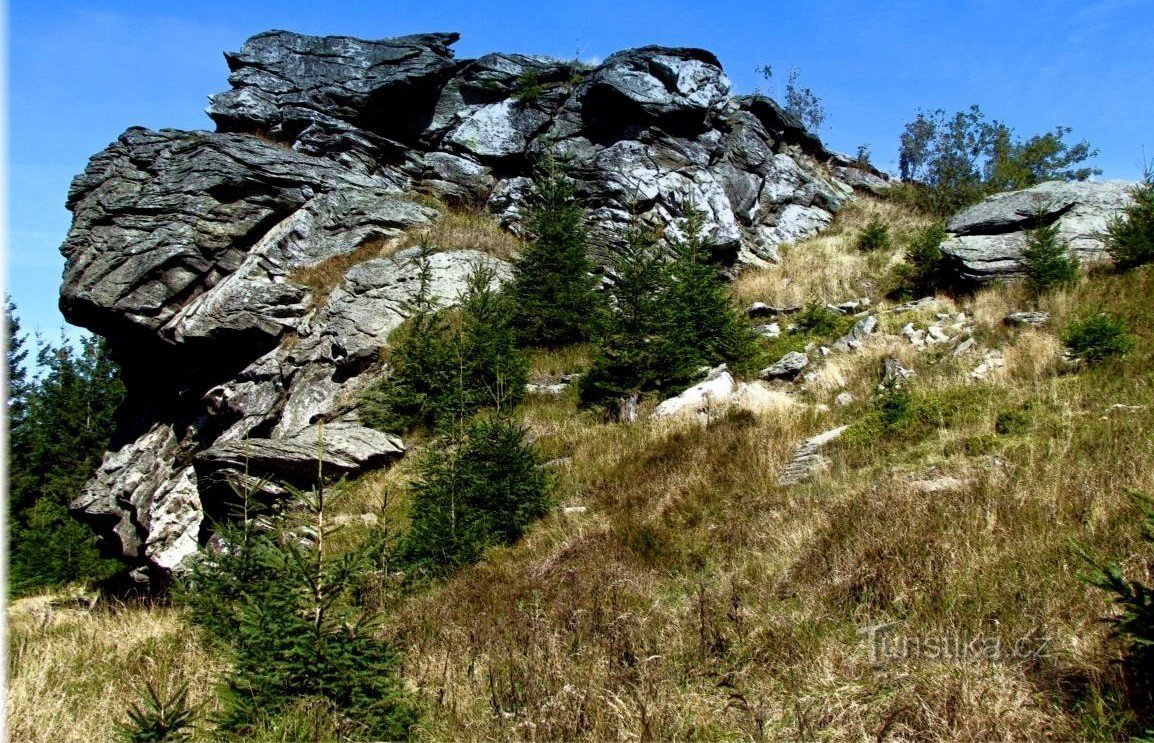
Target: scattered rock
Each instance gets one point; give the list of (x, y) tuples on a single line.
[(787, 367), (939, 485), (533, 388), (761, 309), (991, 362), (861, 330), (1027, 318), (915, 305), (807, 459), (770, 330), (844, 399), (575, 510), (893, 373), (704, 399), (963, 348)]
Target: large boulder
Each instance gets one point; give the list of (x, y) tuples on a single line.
[(282, 82), (247, 280), (986, 240)]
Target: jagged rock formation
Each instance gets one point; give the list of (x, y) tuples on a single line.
[(986, 240), (187, 249)]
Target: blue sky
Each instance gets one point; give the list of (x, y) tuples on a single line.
[(82, 72)]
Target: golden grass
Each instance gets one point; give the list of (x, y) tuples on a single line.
[(828, 268), (74, 674), (323, 277), (467, 229)]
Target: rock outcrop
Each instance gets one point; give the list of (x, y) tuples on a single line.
[(188, 250), (986, 240)]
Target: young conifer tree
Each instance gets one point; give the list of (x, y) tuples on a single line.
[(1047, 259), (554, 290)]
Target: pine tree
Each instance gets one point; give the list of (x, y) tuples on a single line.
[(448, 364), (1130, 235), (627, 353), (1047, 260), (672, 316), (58, 432), (282, 602), (483, 489), (554, 290), (703, 327)]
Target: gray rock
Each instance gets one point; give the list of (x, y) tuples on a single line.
[(335, 449), (987, 239), (861, 330), (787, 367), (283, 81), (1027, 318), (677, 88), (807, 458), (894, 374), (192, 251)]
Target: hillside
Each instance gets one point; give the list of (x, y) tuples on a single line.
[(807, 462), (692, 596)]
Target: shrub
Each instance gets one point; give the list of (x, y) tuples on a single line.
[(446, 365), (1047, 260), (554, 292), (1130, 236), (1097, 337), (817, 320), (483, 490), (1135, 620), (925, 270), (528, 87), (875, 236)]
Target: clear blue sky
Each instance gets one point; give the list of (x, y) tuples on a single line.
[(82, 72)]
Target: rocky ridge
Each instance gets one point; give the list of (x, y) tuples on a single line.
[(186, 248)]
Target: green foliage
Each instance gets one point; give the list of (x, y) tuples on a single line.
[(1130, 235), (160, 718), (284, 607), (554, 291), (875, 236), (1047, 260), (528, 88), (818, 320), (671, 318), (1134, 621), (59, 426), (1013, 421), (447, 365), (483, 490), (1097, 337), (959, 160), (925, 270), (800, 102)]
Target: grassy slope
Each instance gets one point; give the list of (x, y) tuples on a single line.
[(696, 598)]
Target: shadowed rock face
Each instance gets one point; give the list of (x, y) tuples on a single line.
[(987, 239), (185, 247)]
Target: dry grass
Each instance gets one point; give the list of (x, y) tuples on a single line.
[(323, 277), (829, 268), (73, 674), (467, 229)]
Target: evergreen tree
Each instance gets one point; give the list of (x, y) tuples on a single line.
[(703, 326), (554, 291), (627, 354), (1130, 235), (484, 489), (448, 364), (672, 316), (57, 434), (282, 602), (1047, 259)]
